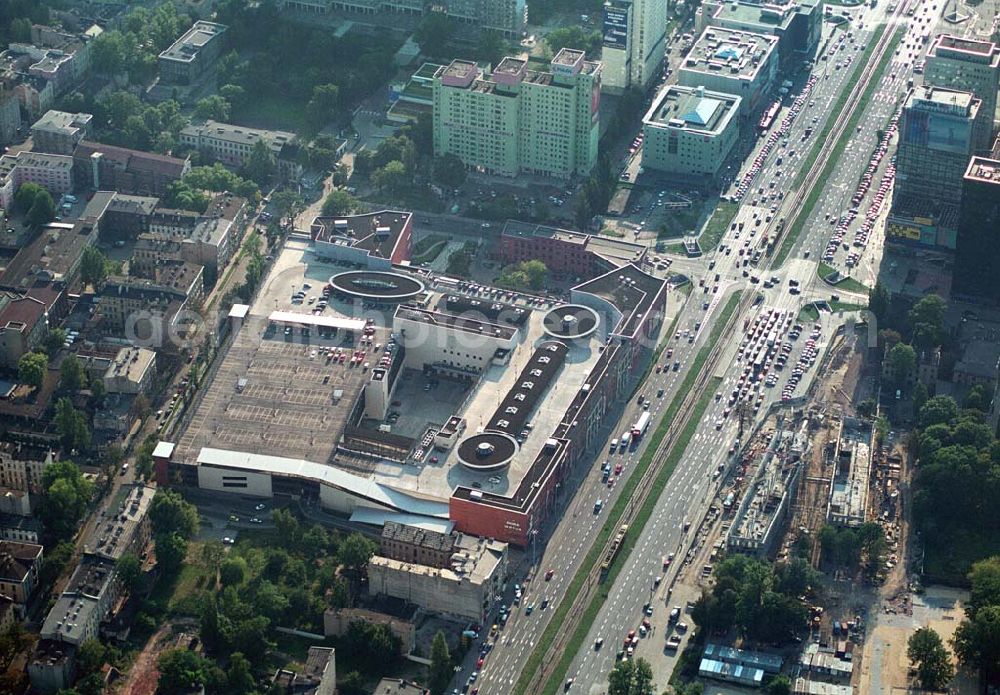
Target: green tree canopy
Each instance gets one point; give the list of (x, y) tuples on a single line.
[(171, 513), (391, 178), (71, 425), (31, 368), (356, 551), (434, 33), (440, 670), (93, 266), (926, 320), (449, 171), (630, 677), (214, 107), (261, 165), (67, 495), (926, 652), (71, 375), (977, 642), (129, 569), (42, 210), (54, 340), (25, 196), (902, 365), (340, 202), (573, 37)]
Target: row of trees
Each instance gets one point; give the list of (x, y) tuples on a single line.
[(957, 485), (853, 547), (761, 601), (134, 47), (189, 193), (298, 65), (35, 203)]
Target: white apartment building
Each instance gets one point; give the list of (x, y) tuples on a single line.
[(635, 34)]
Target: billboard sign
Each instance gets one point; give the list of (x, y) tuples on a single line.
[(615, 27)]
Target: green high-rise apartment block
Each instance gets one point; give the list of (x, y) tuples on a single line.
[(520, 121)]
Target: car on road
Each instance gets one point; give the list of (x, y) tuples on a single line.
[(261, 507), (529, 609), (598, 643), (549, 573), (543, 605), (675, 615), (228, 541)]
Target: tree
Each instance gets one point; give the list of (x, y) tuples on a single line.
[(977, 642), (90, 656), (129, 570), (926, 320), (71, 425), (449, 171), (631, 678), (926, 652), (356, 551), (434, 33), (181, 670), (42, 211), (71, 375), (234, 94), (171, 549), (287, 203), (53, 341), (214, 107), (878, 301), (573, 37), (985, 580), (232, 571), (536, 271), (171, 513), (31, 368), (902, 364), (938, 410), (779, 685), (239, 676), (212, 555), (391, 177), (491, 47), (93, 266), (107, 53), (440, 667), (67, 494), (978, 398), (340, 202), (324, 105), (25, 196), (260, 166)]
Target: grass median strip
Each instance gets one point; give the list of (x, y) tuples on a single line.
[(838, 150), (613, 520), (717, 225)]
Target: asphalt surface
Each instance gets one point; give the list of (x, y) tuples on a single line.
[(691, 486)]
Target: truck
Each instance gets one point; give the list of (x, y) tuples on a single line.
[(626, 439), (641, 425)]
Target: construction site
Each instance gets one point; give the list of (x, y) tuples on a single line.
[(809, 470)]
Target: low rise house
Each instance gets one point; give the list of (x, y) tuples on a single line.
[(19, 566), (97, 166), (132, 372), (232, 144), (23, 324), (59, 132), (467, 588)]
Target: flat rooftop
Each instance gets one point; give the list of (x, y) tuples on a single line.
[(616, 251), (473, 560), (960, 47), (456, 321), (958, 102), (983, 170), (186, 48), (731, 53), (294, 403), (377, 233), (849, 490), (116, 528), (765, 16), (692, 108), (629, 290), (70, 123)]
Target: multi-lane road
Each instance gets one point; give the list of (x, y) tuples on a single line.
[(688, 492)]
